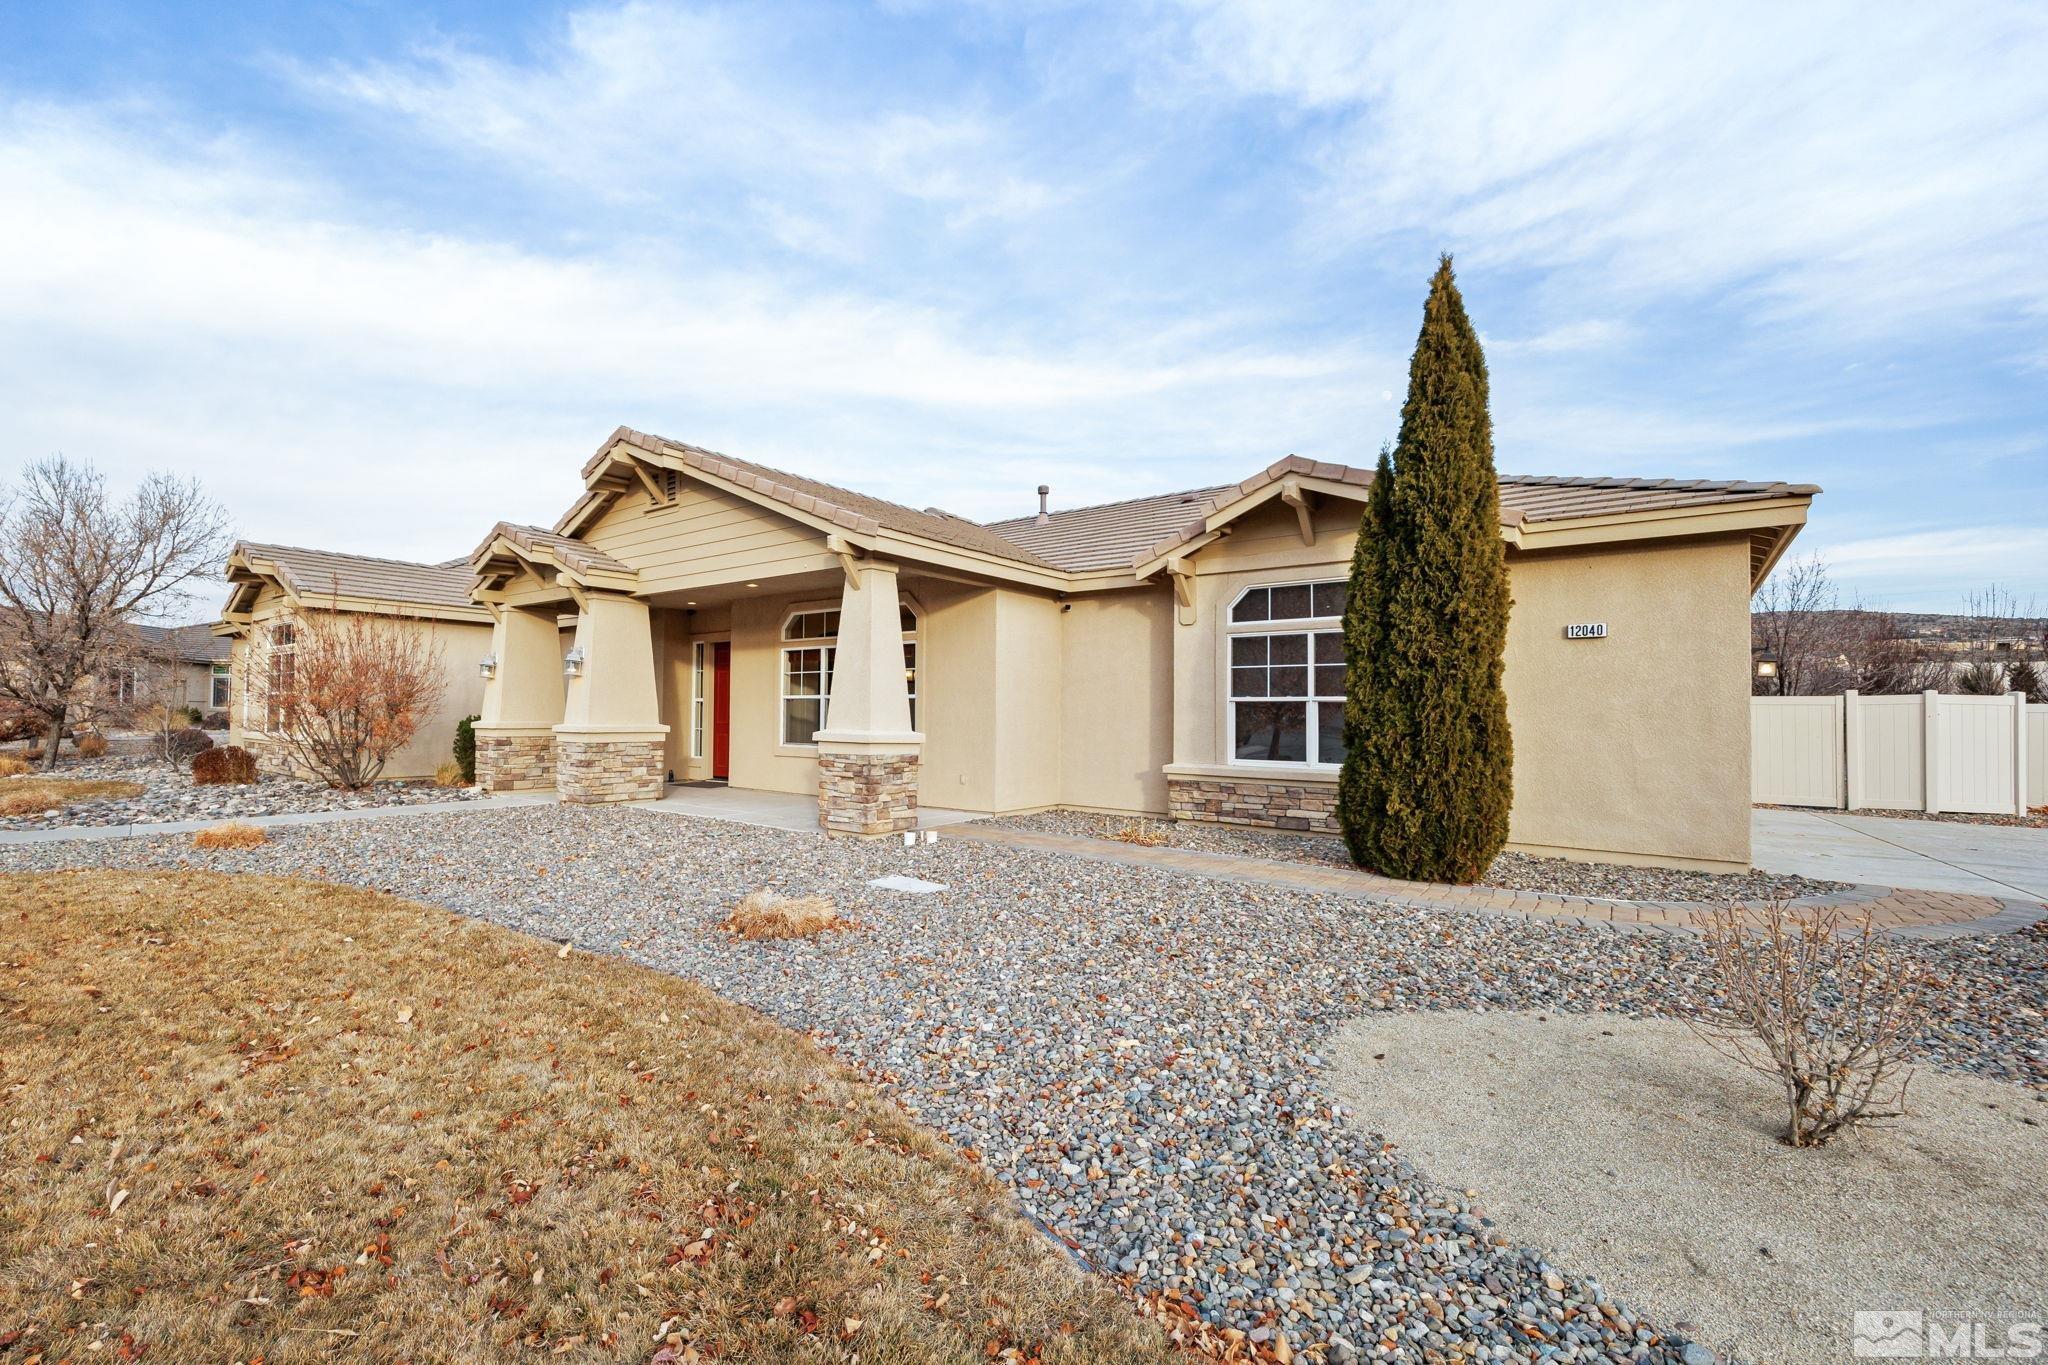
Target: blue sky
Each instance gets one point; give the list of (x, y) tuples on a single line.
[(416, 261)]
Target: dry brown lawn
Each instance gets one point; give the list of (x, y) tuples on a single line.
[(234, 834), (34, 795), (248, 1116)]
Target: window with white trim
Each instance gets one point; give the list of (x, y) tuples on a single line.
[(810, 641), (698, 655), (1286, 660), (221, 687), (283, 669)]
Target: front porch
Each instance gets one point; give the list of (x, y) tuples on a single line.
[(605, 687), (772, 810)]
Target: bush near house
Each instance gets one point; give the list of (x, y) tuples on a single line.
[(1428, 763), (184, 744), (236, 834), (92, 746), (228, 766), (2029, 679), (465, 749), (261, 1118), (214, 720)]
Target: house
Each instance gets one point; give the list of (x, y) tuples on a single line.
[(199, 659), (269, 584), (1173, 655)]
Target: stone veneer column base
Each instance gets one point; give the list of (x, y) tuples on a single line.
[(1310, 807), (867, 793), (592, 770), (513, 762), (273, 755)]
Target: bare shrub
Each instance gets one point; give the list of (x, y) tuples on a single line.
[(224, 767), (343, 691), (92, 746), (10, 766), (1142, 832), (763, 914), (185, 743), (233, 835), (449, 774), (1821, 1003)]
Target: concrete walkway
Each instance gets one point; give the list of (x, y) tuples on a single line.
[(1906, 913), (791, 811), (1928, 855), (65, 833)]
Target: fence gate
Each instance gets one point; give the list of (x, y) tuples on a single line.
[(1796, 751)]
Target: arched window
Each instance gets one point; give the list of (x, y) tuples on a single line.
[(810, 647), (1286, 662)]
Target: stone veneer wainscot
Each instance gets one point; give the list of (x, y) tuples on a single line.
[(867, 793), (1306, 806), (595, 771)]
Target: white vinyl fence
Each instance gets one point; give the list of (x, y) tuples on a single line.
[(1927, 752)]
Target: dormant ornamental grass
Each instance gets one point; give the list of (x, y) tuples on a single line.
[(246, 1116)]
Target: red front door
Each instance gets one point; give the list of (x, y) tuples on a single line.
[(721, 710)]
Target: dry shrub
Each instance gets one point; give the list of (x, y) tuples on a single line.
[(225, 767), (763, 914), (1820, 1002), (1141, 832), (236, 834), (10, 766), (449, 774), (34, 795), (26, 803), (92, 746)]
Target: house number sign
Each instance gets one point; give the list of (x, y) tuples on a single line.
[(1588, 630)]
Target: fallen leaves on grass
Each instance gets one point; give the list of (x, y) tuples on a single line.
[(317, 1120)]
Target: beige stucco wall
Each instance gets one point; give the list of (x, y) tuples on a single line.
[(460, 644), (1635, 746), (1116, 700), (1631, 748)]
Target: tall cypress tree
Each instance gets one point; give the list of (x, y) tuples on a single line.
[(1429, 763)]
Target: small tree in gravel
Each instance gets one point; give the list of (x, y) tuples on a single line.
[(1820, 1003), (342, 691), (2029, 679), (1428, 759)]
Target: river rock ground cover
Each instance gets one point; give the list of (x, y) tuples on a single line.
[(1135, 1052), (169, 794), (1511, 871)]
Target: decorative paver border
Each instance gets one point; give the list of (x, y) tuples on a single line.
[(1904, 912)]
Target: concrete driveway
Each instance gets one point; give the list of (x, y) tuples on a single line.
[(1932, 855)]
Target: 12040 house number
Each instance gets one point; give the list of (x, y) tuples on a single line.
[(1588, 630)]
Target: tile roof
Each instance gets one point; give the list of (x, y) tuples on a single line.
[(317, 573), (857, 512), (573, 554), (194, 644), (1108, 535)]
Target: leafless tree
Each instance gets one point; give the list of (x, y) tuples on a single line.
[(1821, 1004), (76, 567), (1789, 620), (342, 691)]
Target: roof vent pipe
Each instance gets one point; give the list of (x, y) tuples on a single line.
[(1044, 491)]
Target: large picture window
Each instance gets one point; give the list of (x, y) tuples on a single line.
[(809, 651), (1287, 685)]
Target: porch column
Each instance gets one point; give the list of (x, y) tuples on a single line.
[(515, 736), (609, 746), (868, 754)]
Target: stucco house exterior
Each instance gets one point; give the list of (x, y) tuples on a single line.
[(268, 584), (204, 679), (693, 617)]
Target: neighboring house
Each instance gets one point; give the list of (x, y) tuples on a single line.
[(269, 582), (1178, 654), (204, 679)]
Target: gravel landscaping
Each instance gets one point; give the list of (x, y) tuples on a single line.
[(1140, 1054), (1511, 871), (2035, 818), (170, 795)]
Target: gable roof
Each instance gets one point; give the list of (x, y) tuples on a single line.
[(308, 573), (843, 507), (196, 644), (537, 541), (1525, 499)]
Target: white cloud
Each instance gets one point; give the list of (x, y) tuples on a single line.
[(638, 103), (1870, 166), (1934, 570)]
